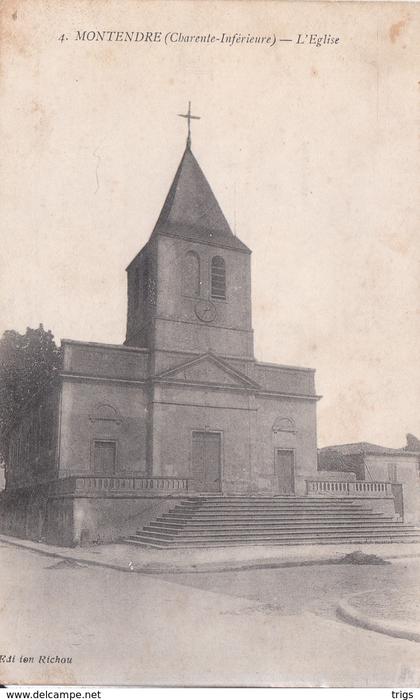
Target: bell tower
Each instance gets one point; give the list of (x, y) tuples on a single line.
[(189, 288)]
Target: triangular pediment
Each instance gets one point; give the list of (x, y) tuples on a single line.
[(207, 370)]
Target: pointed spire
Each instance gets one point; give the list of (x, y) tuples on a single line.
[(191, 210)]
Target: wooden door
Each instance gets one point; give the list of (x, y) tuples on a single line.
[(104, 456), (206, 461), (285, 468)]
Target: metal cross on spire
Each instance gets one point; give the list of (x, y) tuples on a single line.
[(188, 117)]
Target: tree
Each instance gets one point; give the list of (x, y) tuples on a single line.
[(29, 366), (413, 443)]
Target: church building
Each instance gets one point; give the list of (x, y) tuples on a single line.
[(182, 407)]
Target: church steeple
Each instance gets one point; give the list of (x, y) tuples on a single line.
[(189, 288), (191, 210)]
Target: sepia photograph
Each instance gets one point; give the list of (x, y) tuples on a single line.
[(209, 344)]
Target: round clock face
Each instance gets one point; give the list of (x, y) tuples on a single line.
[(205, 311)]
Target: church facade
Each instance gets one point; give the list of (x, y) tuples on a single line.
[(182, 406)]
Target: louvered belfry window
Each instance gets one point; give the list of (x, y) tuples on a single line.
[(218, 278), (136, 287)]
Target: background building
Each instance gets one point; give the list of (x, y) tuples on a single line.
[(375, 463)]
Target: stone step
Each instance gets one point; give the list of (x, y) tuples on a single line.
[(284, 517), (278, 500), (282, 534), (268, 530), (272, 503), (255, 514), (229, 521), (310, 524), (265, 499), (331, 507), (158, 541), (196, 525)]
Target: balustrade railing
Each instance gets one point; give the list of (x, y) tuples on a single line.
[(366, 489), (371, 488), (334, 487), (112, 485)]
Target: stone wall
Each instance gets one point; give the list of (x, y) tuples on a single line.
[(177, 327), (102, 411), (68, 521), (290, 380), (380, 468), (251, 427), (285, 423), (141, 296), (178, 411), (100, 360), (111, 519)]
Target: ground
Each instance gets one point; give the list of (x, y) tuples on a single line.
[(255, 627), (315, 589)]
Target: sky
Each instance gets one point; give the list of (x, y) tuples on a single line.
[(311, 152)]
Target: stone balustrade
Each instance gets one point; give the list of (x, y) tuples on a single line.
[(93, 485), (360, 489)]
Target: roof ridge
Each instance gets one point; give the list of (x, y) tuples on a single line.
[(172, 190)]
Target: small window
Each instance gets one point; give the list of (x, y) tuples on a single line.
[(218, 278), (191, 275)]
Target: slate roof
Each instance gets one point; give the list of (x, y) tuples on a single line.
[(191, 210)]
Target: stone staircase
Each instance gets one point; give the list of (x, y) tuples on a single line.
[(225, 521)]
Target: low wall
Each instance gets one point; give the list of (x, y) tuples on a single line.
[(410, 498), (70, 521), (110, 519)]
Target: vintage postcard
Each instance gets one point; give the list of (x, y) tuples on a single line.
[(209, 337)]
